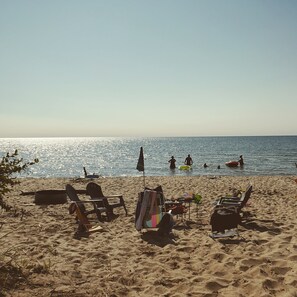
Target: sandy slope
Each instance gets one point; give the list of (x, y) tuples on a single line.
[(121, 261)]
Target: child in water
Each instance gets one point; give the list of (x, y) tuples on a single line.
[(240, 160)]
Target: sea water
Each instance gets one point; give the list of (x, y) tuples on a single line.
[(118, 156)]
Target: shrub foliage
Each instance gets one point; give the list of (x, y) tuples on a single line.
[(11, 165)]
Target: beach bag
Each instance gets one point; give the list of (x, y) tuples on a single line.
[(178, 209), (166, 224), (224, 219)]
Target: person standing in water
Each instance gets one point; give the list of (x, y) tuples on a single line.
[(240, 160), (188, 161), (172, 162)]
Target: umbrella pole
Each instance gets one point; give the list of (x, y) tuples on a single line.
[(143, 180)]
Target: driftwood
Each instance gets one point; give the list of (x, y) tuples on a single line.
[(33, 193)]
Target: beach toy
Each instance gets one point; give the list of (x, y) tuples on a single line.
[(188, 196), (197, 198), (232, 164), (185, 167)]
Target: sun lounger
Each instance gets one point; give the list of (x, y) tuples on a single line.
[(84, 225), (238, 202), (110, 202), (228, 233), (71, 192)]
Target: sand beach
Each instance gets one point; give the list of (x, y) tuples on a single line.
[(41, 256)]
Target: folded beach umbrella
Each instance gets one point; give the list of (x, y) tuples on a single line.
[(140, 164)]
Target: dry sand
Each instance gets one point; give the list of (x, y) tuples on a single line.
[(40, 256)]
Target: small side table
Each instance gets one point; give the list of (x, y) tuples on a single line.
[(187, 202)]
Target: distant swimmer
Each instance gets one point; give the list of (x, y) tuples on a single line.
[(188, 161), (240, 161), (172, 163), (205, 165), (219, 167)]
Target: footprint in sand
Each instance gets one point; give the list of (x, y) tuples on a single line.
[(287, 239), (186, 249), (215, 285), (281, 270), (270, 284), (218, 256), (292, 258), (252, 262)]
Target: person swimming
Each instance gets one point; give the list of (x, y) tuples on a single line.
[(172, 163), (188, 161)]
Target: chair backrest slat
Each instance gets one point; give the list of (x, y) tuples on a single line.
[(71, 193), (94, 190), (247, 196)]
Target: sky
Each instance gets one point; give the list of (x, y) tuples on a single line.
[(148, 68)]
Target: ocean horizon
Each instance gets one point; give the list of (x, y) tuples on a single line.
[(118, 156)]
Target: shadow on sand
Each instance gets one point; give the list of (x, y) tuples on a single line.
[(155, 238)]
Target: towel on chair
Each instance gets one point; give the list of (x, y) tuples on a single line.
[(150, 213)]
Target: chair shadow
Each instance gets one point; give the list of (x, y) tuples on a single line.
[(155, 238), (253, 225), (250, 222), (226, 241), (113, 217), (189, 224), (79, 235)]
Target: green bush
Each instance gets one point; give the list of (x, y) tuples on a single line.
[(10, 166)]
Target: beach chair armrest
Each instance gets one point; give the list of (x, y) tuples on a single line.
[(230, 198), (93, 201), (109, 196), (227, 203), (113, 196)]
